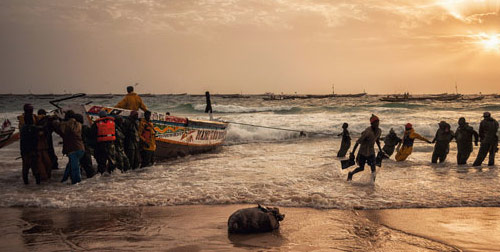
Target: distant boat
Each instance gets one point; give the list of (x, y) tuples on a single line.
[(474, 98), (234, 96), (434, 97), (271, 97), (101, 96)]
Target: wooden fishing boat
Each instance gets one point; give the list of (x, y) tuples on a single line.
[(474, 98), (175, 136), (406, 98)]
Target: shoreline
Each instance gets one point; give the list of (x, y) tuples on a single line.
[(204, 227)]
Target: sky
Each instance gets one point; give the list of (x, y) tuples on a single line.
[(250, 46)]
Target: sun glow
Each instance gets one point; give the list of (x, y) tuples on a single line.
[(490, 42)]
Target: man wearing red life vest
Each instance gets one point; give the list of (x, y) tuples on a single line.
[(105, 132)]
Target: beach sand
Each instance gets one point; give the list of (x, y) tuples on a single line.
[(204, 228)]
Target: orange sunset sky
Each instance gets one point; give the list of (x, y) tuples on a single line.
[(250, 46)]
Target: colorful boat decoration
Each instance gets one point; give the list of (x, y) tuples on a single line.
[(176, 136)]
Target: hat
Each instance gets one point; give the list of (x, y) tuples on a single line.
[(103, 113), (486, 114), (373, 118), (408, 126), (28, 107)]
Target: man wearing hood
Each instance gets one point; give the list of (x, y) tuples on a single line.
[(131, 101), (407, 144), (442, 139), (463, 135), (390, 142), (489, 140), (366, 153)]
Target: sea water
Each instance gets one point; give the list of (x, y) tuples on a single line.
[(271, 166)]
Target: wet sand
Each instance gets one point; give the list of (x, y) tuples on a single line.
[(204, 228)]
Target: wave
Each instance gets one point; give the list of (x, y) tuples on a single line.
[(219, 108)]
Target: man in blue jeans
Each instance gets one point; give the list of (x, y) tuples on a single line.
[(71, 132), (366, 153)]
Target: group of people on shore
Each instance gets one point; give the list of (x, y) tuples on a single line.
[(115, 142), (464, 136)]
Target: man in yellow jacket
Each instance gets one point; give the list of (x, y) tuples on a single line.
[(131, 101), (148, 142), (408, 139)]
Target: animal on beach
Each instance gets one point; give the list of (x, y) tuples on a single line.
[(255, 220)]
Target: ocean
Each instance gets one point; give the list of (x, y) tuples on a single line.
[(274, 167)]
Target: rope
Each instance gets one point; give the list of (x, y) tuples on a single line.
[(276, 128)]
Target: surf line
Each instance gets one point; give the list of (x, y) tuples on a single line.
[(301, 132)]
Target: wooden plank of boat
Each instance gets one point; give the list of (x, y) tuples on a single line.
[(177, 136), (7, 137)]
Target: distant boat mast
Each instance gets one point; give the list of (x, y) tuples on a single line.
[(333, 88)]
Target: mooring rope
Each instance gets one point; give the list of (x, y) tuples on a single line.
[(284, 129)]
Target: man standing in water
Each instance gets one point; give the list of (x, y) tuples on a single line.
[(442, 139), (208, 108), (131, 101), (366, 153), (147, 135), (408, 139), (463, 135), (489, 140), (390, 142)]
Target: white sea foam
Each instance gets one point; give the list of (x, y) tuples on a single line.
[(277, 167)]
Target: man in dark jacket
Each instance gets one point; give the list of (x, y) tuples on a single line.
[(463, 135), (28, 143), (443, 137), (489, 140), (132, 139), (390, 143), (47, 122), (122, 162), (71, 132), (89, 144)]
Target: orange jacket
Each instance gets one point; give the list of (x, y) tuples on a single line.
[(147, 134), (105, 129), (132, 101)]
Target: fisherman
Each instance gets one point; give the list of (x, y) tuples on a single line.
[(28, 112), (489, 140), (346, 141), (132, 140), (443, 137), (366, 153), (463, 135), (44, 162), (407, 143), (28, 143), (390, 143), (105, 131), (89, 144), (47, 122), (71, 132), (208, 108), (131, 101), (122, 162), (148, 141)]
